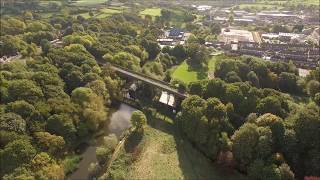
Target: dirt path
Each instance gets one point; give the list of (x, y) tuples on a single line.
[(115, 154)]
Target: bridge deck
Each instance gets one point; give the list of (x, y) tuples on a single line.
[(158, 83)]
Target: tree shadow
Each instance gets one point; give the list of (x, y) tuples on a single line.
[(133, 141), (202, 71), (161, 123), (195, 165)]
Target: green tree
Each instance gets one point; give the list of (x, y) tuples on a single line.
[(22, 108), (245, 141), (277, 127), (166, 14), (202, 131), (20, 173), (215, 109), (103, 153), (179, 51), (99, 88), (12, 26), (151, 47), (11, 45), (193, 108), (138, 120), (215, 88), (62, 125), (261, 171), (92, 107), (196, 88), (313, 87), (288, 82), (50, 142), (232, 77), (126, 60), (286, 173), (215, 29), (198, 55), (317, 98), (15, 154), (44, 167), (12, 122), (45, 46), (270, 104), (24, 90), (253, 79)]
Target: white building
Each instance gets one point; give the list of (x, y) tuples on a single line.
[(235, 35), (203, 7), (167, 99)]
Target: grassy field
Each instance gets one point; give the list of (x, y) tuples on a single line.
[(164, 154), (105, 12), (274, 5), (306, 2), (89, 2), (46, 3), (151, 12), (261, 6), (184, 73)]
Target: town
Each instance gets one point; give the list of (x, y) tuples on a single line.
[(300, 46)]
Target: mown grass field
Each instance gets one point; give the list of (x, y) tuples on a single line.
[(151, 12), (164, 154), (184, 73)]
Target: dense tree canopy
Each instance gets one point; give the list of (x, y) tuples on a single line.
[(57, 96)]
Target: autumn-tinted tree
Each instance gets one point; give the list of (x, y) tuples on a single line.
[(50, 142)]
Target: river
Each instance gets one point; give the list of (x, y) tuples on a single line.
[(119, 122)]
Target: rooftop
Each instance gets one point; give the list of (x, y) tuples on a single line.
[(167, 99)]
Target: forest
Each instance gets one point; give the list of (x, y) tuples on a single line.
[(257, 117)]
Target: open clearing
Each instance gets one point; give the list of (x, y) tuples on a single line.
[(165, 155), (185, 74)]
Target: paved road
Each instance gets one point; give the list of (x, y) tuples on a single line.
[(160, 84)]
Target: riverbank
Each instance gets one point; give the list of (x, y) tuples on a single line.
[(118, 122), (162, 153)]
